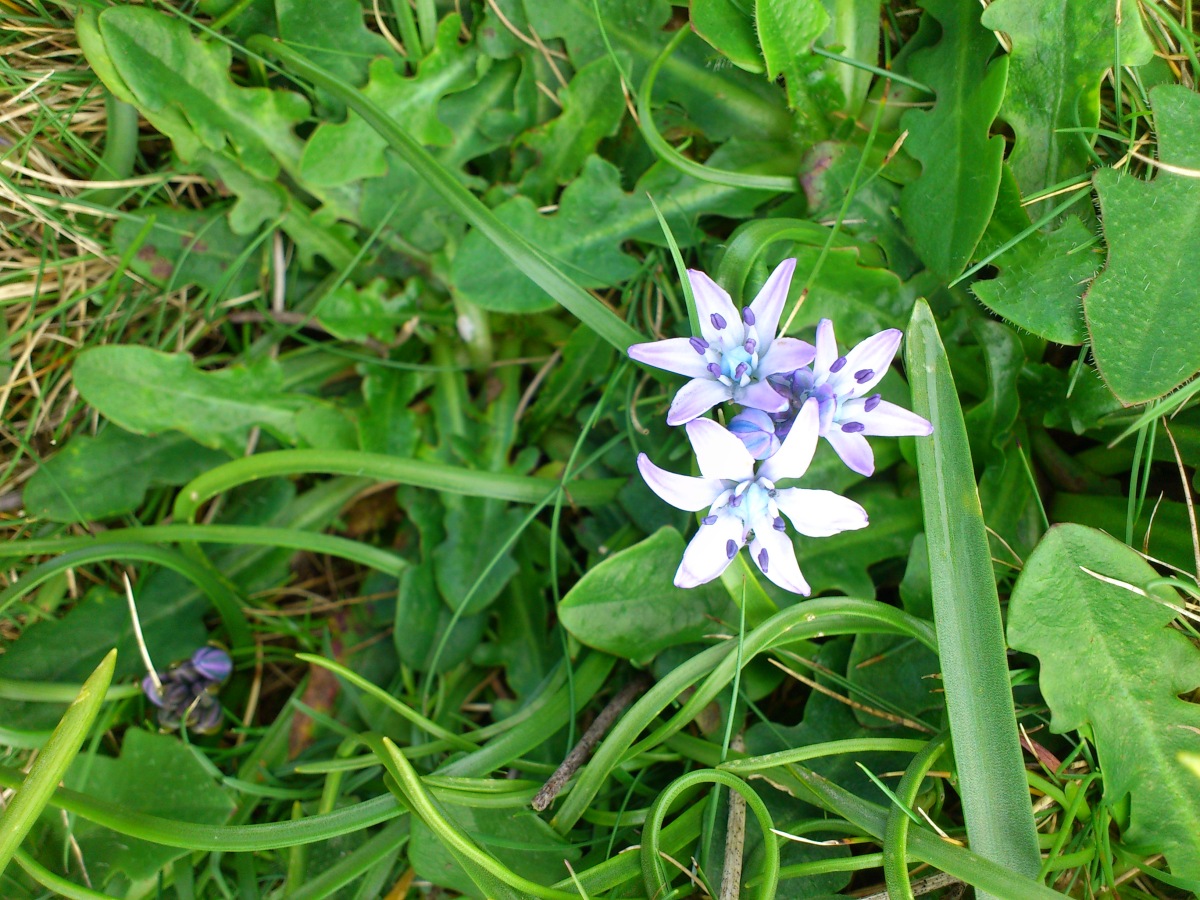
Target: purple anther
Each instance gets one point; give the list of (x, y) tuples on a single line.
[(731, 548), (699, 345), (213, 663), (762, 560), (735, 501), (864, 375), (740, 371), (838, 364), (708, 520), (748, 316), (718, 321), (873, 401), (779, 524), (714, 369), (853, 427), (750, 344)]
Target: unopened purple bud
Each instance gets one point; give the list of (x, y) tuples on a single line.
[(151, 691), (838, 364), (718, 321), (762, 559), (709, 520), (213, 663), (864, 375), (748, 316), (873, 401), (714, 369), (782, 383), (779, 524), (853, 427), (750, 344), (699, 345), (731, 548)]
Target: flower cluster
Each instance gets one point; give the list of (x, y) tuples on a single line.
[(793, 393), (186, 693)]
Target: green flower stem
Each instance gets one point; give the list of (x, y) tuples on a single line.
[(435, 476), (34, 791)]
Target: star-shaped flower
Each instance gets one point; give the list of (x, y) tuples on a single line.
[(734, 355), (838, 385), (744, 504)]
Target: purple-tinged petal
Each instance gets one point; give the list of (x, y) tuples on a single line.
[(712, 300), (786, 355), (792, 458), (853, 449), (768, 305), (718, 452), (867, 363), (820, 513), (707, 554), (674, 355), (773, 552), (827, 350), (760, 395), (151, 691), (885, 419), (681, 491), (697, 397), (212, 663), (756, 430)]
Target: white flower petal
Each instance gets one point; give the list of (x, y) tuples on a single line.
[(820, 513), (768, 305), (773, 553), (869, 361), (884, 419), (697, 397), (792, 458), (785, 355), (674, 355), (681, 491), (713, 300), (827, 350), (707, 554), (853, 449), (718, 451), (760, 395)]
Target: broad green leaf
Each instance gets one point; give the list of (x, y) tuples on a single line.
[(594, 218), (476, 529), (966, 607), (373, 312), (786, 31), (386, 424), (1060, 51), (347, 151), (1143, 309), (26, 804), (990, 423), (186, 246), (1113, 667), (147, 392), (592, 109), (1163, 529), (948, 207), (156, 774), (334, 35), (627, 605), (729, 28), (1041, 279), (108, 475), (168, 70), (854, 32)]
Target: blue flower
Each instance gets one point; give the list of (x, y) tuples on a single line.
[(744, 505), (734, 355), (187, 694), (841, 387)]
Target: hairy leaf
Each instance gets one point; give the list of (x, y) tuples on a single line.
[(1060, 51), (948, 207), (786, 31), (1112, 666), (729, 28), (1143, 310)]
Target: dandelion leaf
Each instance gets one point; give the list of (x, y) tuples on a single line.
[(1143, 310), (1060, 51), (947, 208), (1113, 668)]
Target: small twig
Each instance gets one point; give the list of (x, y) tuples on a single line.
[(735, 838), (817, 686), (588, 742), (924, 886), (141, 641)]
